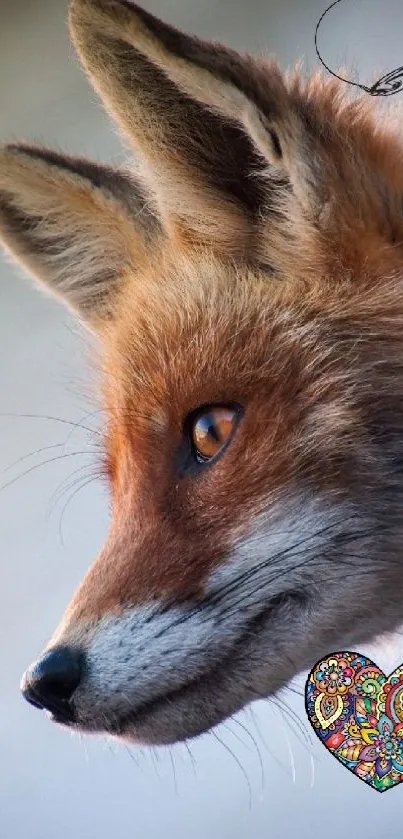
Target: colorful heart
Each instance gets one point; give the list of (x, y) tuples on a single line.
[(357, 713)]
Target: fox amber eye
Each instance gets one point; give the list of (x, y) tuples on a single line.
[(211, 430)]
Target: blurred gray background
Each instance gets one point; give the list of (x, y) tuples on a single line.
[(264, 774)]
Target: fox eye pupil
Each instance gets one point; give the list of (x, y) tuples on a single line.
[(211, 430)]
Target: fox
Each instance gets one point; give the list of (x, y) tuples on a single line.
[(242, 277)]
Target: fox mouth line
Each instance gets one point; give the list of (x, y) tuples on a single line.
[(66, 713), (121, 725)]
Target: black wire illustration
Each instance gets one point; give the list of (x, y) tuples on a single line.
[(388, 85)]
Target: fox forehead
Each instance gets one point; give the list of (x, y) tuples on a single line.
[(195, 329), (201, 333), (180, 339)]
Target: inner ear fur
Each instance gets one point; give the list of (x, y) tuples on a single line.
[(192, 110), (75, 225)]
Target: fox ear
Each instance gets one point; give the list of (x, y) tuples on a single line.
[(74, 225), (207, 120)]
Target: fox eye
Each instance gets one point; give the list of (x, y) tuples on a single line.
[(211, 429)]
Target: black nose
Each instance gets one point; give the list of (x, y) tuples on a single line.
[(49, 684)]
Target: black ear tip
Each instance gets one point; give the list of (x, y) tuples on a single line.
[(25, 149), (17, 148)]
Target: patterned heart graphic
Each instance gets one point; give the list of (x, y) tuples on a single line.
[(357, 713)]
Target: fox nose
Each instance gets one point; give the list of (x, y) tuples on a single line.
[(50, 682)]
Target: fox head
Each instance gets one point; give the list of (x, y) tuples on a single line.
[(246, 286)]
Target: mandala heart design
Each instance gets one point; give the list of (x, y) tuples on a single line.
[(357, 713)]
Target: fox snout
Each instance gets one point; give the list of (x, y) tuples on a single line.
[(244, 290), (162, 669), (173, 666)]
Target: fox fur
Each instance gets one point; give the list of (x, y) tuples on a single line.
[(252, 253)]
